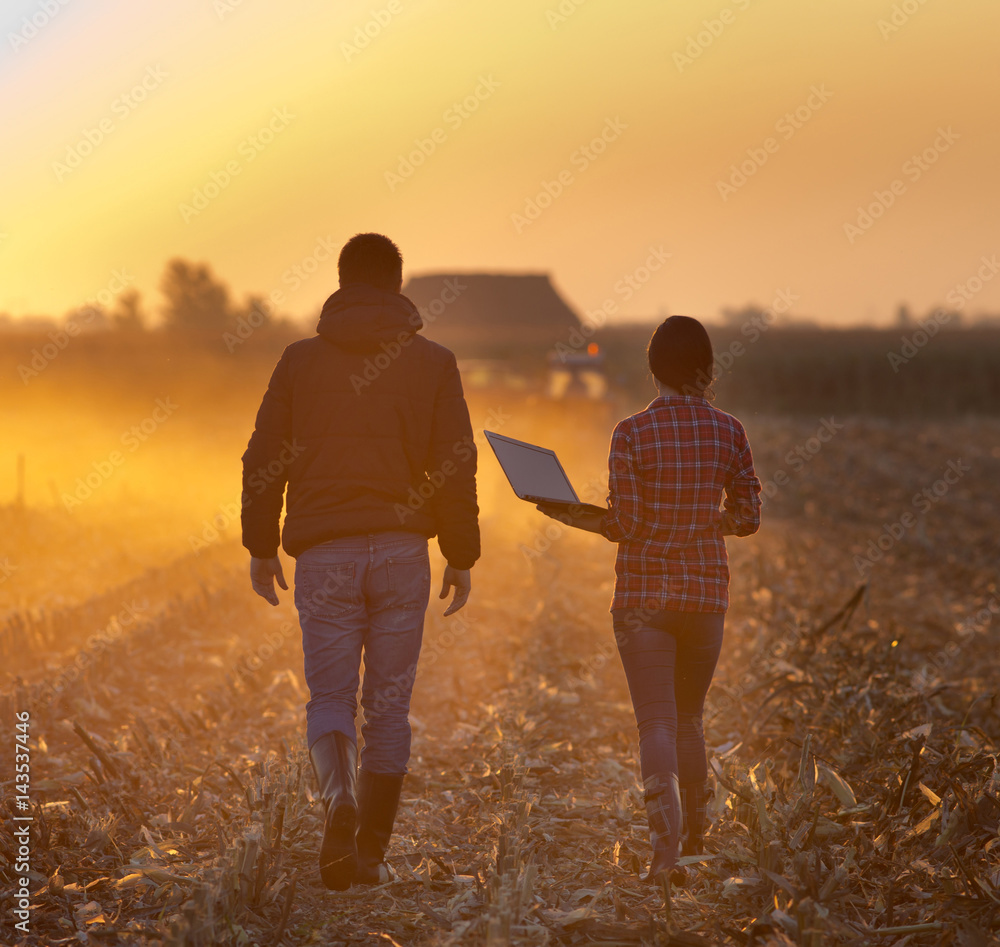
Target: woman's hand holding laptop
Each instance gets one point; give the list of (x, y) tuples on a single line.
[(580, 519)]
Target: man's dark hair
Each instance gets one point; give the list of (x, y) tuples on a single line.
[(373, 259), (680, 356)]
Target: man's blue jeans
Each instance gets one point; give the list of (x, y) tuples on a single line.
[(363, 595)]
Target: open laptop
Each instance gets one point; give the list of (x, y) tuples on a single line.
[(535, 474)]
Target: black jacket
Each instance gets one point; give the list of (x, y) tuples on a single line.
[(367, 424)]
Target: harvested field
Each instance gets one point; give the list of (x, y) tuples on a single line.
[(852, 724)]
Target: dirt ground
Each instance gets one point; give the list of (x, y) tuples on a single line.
[(852, 726)]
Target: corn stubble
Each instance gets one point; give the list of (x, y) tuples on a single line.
[(853, 757)]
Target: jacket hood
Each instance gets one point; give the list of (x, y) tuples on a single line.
[(362, 317)]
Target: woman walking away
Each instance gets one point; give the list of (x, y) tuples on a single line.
[(670, 466)]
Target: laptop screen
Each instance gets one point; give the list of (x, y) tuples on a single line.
[(532, 471)]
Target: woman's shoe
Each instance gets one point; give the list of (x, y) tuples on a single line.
[(694, 798), (663, 810)]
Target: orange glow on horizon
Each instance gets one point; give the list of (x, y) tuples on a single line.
[(755, 144)]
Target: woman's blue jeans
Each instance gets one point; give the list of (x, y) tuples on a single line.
[(669, 659), (363, 595)]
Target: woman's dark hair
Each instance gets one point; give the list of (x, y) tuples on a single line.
[(680, 355), (373, 259)]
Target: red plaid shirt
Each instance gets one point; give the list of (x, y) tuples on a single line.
[(669, 467)]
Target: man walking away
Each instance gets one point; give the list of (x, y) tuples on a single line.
[(367, 424)]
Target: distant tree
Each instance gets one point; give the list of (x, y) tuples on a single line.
[(738, 317), (903, 318), (128, 314), (953, 318), (194, 298), (91, 317), (256, 311)]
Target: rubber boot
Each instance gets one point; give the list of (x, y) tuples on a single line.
[(335, 761), (694, 798), (378, 800), (663, 810)]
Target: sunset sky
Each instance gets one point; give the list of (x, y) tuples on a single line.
[(98, 180)]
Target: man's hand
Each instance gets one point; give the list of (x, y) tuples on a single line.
[(263, 572), (581, 519), (462, 580)]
